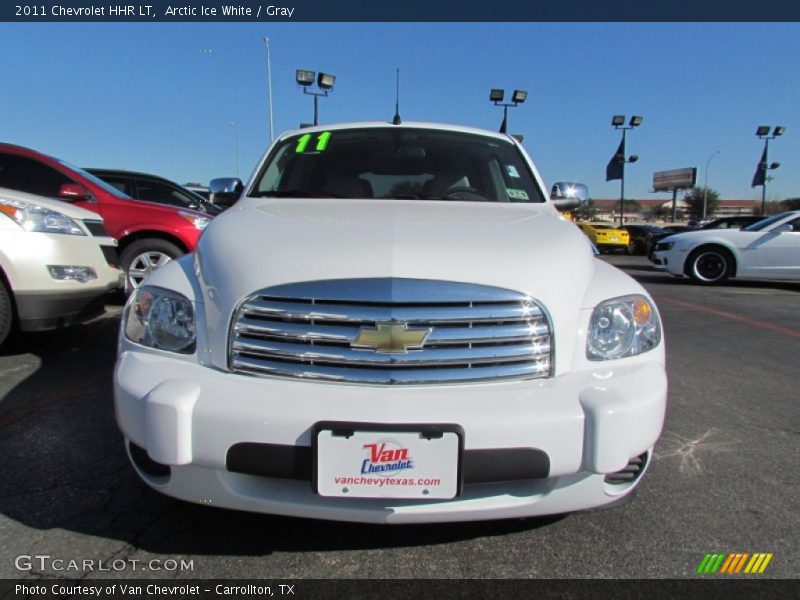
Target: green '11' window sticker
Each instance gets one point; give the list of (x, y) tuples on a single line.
[(322, 142)]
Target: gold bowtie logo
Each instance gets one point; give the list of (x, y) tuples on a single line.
[(390, 337)]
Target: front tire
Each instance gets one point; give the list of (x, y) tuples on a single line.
[(710, 265), (6, 313), (145, 256)]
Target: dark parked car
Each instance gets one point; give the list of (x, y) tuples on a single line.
[(153, 188), (731, 222), (665, 231), (637, 237)]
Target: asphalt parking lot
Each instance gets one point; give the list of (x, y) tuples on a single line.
[(725, 475)]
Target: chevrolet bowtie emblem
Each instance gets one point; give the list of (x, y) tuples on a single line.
[(390, 337)]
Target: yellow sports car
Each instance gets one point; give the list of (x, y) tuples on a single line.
[(606, 237)]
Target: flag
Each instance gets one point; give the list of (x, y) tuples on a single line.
[(617, 162), (760, 177)]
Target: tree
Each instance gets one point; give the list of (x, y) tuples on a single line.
[(770, 208), (586, 211), (791, 204), (694, 201), (632, 206)]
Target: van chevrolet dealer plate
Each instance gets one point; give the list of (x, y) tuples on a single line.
[(396, 464)]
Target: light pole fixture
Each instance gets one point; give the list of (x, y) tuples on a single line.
[(705, 183), (269, 87), (761, 177), (517, 98), (235, 146), (325, 82), (616, 166)]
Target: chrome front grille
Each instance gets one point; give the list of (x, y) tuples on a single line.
[(308, 330)]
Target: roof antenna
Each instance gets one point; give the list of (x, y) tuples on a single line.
[(397, 120)]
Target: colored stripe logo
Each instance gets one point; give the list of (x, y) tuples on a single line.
[(734, 563)]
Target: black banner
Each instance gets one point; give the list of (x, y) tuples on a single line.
[(392, 10), (731, 588)]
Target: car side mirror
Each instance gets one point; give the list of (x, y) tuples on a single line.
[(73, 192), (225, 191), (783, 228), (566, 195)]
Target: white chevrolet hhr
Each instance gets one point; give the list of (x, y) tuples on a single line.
[(392, 325)]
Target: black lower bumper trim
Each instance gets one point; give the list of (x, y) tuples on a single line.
[(50, 310), (479, 466)]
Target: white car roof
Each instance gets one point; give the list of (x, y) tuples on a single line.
[(403, 125), (61, 206)]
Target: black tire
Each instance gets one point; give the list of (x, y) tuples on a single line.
[(6, 313), (143, 257), (710, 265)]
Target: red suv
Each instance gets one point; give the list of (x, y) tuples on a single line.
[(149, 234)]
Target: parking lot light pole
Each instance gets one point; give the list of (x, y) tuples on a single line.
[(269, 87), (517, 98), (705, 183), (762, 177), (618, 122), (325, 82)]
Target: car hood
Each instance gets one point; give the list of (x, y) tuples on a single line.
[(264, 242)]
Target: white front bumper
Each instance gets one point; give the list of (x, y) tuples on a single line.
[(670, 261), (188, 416)]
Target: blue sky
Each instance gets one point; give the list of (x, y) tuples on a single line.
[(160, 97)]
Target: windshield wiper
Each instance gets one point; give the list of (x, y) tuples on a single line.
[(295, 194)]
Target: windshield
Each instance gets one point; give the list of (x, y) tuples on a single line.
[(397, 163), (759, 225), (97, 181)]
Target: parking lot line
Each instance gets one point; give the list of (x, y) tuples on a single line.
[(790, 331)]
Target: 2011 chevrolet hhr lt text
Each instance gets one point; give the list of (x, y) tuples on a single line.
[(392, 325)]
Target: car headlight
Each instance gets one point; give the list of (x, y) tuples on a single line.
[(198, 221), (161, 319), (32, 217), (622, 327), (664, 246)]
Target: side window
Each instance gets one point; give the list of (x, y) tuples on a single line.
[(795, 225), (155, 191), (27, 175), (123, 184)]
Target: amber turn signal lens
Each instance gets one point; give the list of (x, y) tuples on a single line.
[(642, 312)]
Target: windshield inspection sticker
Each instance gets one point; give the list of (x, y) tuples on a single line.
[(515, 194), (512, 171)]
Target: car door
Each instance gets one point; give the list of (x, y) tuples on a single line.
[(779, 250)]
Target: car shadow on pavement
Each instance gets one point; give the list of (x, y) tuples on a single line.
[(64, 468)]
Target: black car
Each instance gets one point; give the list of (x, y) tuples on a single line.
[(153, 188), (638, 235), (731, 222), (650, 244)]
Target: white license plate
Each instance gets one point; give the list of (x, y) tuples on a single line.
[(613, 239), (373, 464)]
